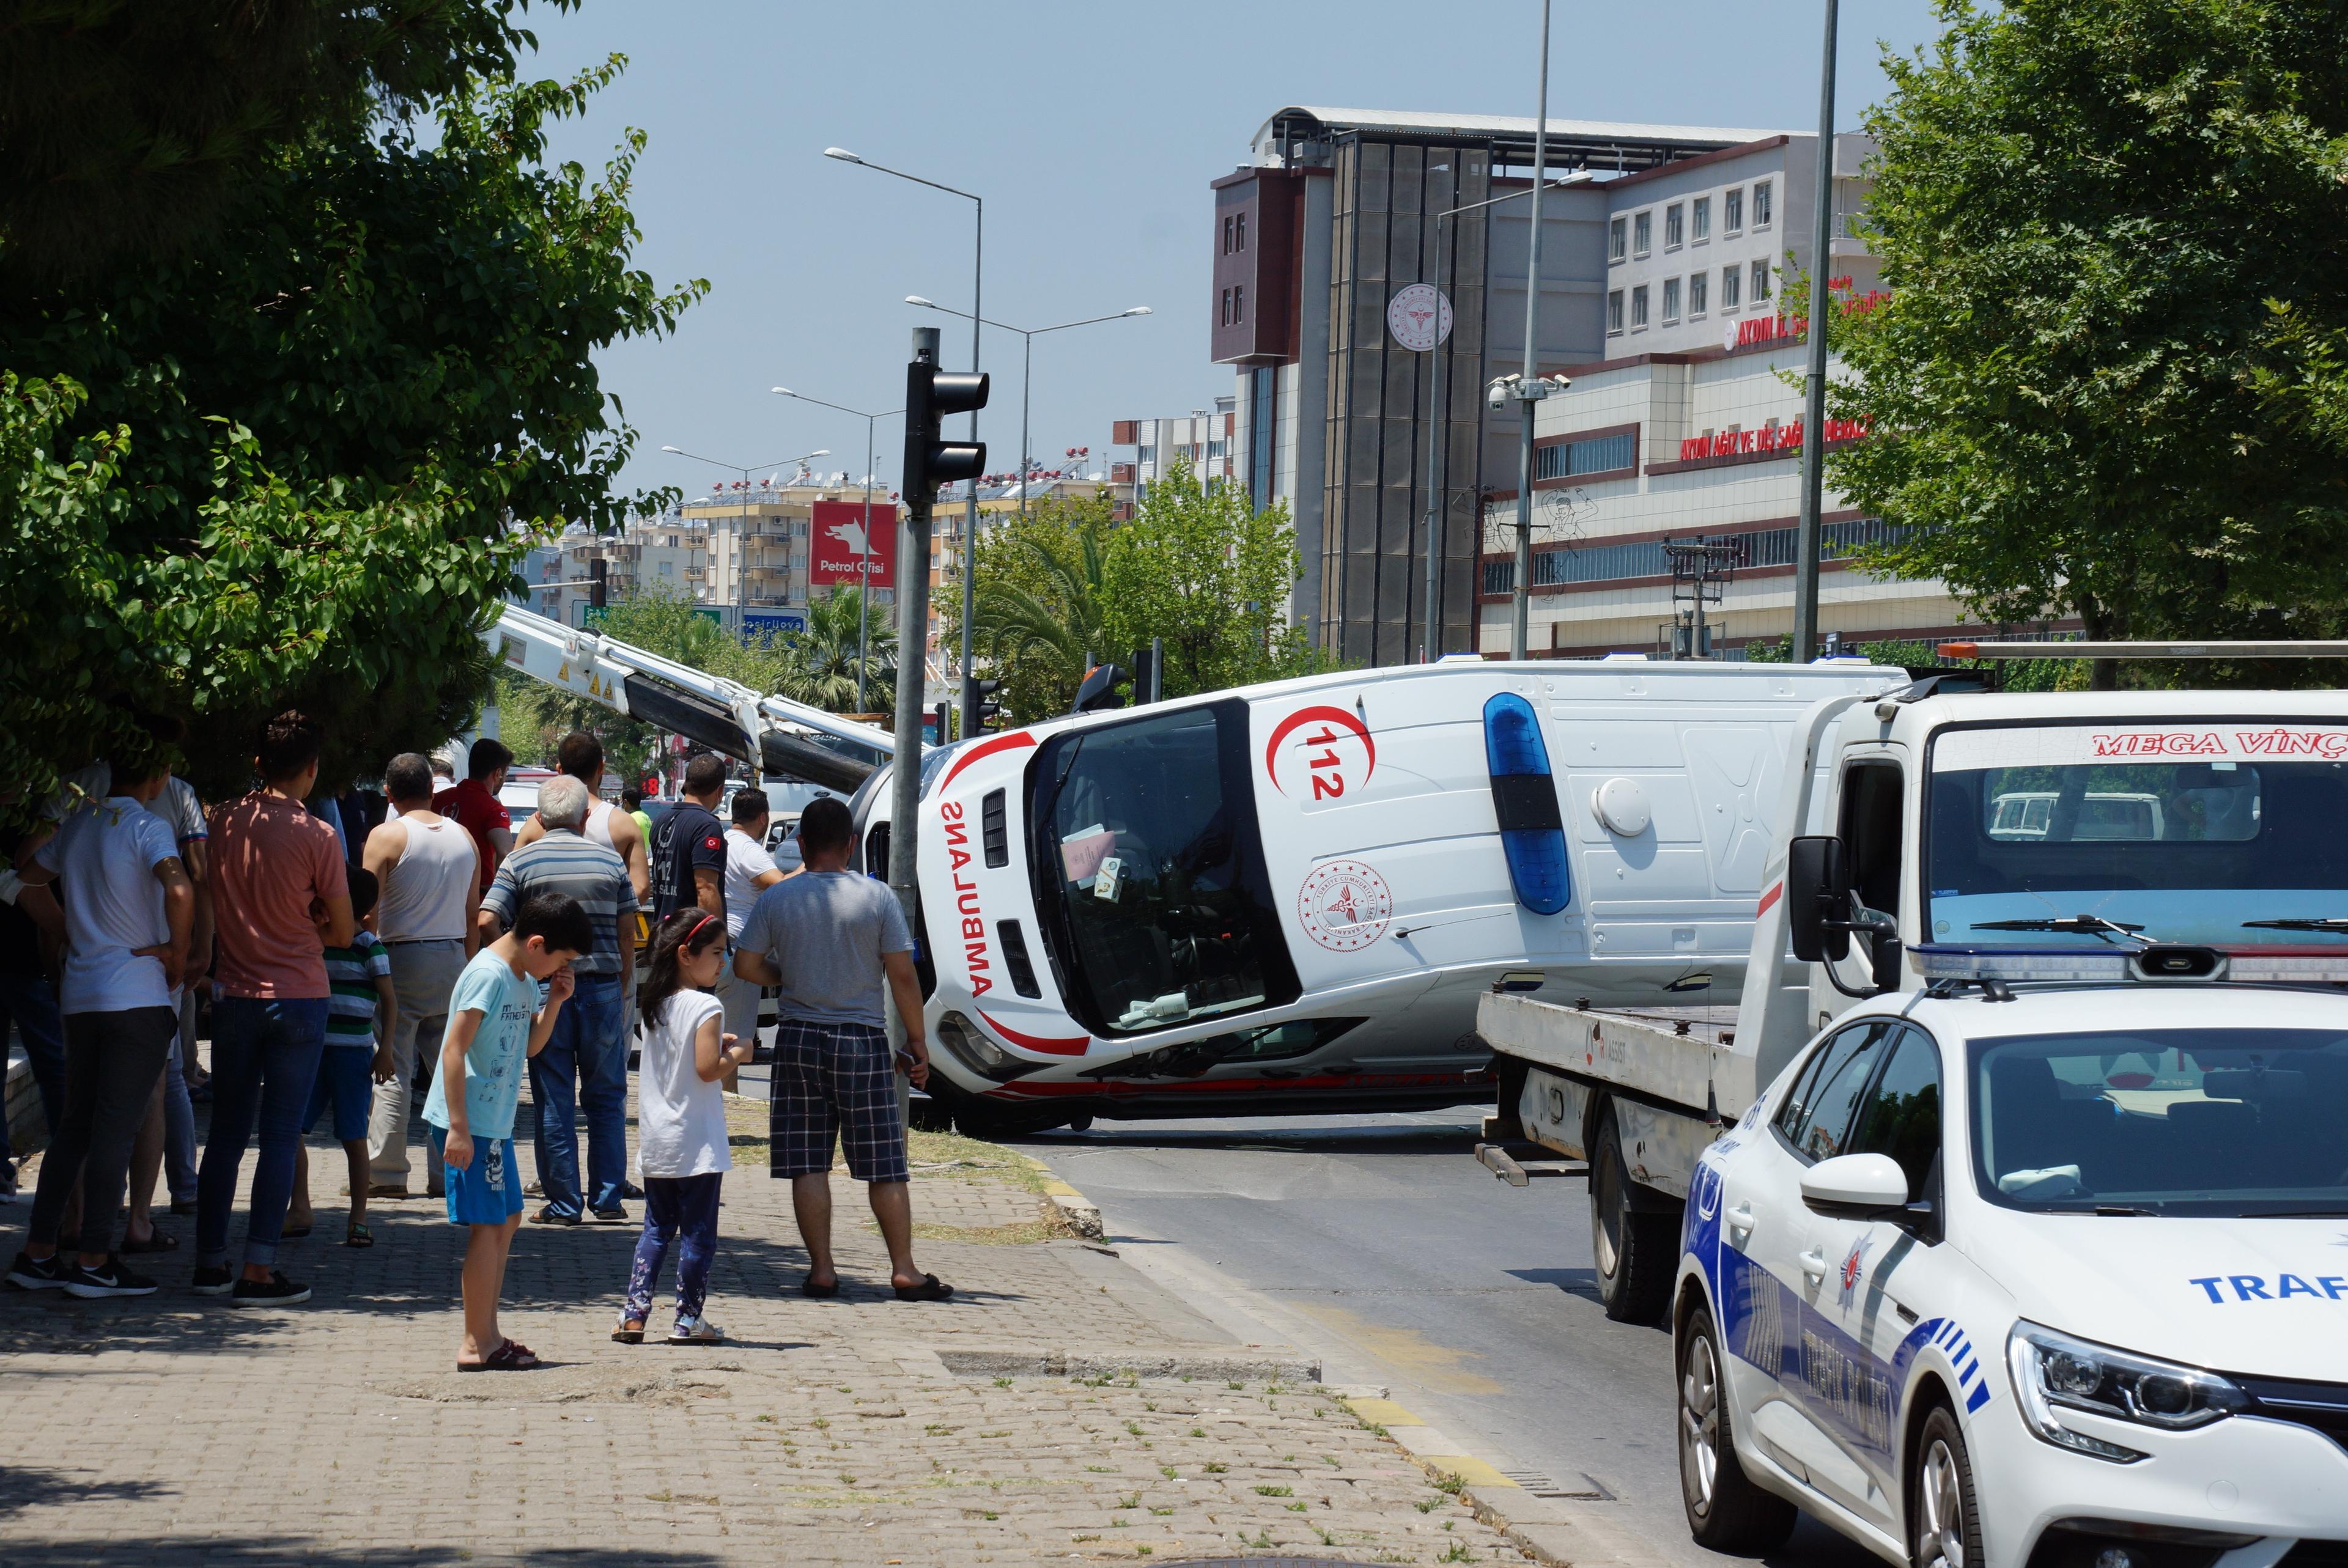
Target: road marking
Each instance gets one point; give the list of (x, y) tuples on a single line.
[(1470, 1469), (1427, 1364), (1384, 1413)]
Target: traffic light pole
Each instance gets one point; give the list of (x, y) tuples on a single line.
[(912, 631)]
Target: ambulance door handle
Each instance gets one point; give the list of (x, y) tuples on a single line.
[(1740, 1224), (1814, 1264)]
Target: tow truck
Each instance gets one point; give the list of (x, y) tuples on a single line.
[(1999, 1224), (1286, 898)]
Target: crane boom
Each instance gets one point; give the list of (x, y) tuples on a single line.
[(773, 733)]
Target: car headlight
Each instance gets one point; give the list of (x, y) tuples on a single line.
[(968, 1045), (2053, 1372)]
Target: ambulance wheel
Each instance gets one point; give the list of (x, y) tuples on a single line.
[(1634, 1251), (1943, 1520), (1726, 1511)]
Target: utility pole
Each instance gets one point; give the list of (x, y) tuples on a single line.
[(1814, 400), (1529, 388)]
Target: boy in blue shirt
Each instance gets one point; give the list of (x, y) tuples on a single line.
[(361, 1013), (496, 1023)]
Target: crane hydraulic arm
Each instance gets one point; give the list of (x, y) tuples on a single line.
[(775, 734)]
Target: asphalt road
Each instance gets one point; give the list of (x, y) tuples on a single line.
[(1378, 1243)]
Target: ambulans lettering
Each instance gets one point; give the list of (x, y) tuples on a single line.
[(2230, 1289), (974, 922)]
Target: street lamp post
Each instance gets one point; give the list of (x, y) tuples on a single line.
[(1530, 388), (1432, 645), (745, 473), (864, 575), (970, 543), (1026, 366), (1814, 401)]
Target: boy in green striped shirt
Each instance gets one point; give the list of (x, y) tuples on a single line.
[(360, 1012)]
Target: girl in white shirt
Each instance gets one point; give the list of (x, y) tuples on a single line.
[(681, 1147)]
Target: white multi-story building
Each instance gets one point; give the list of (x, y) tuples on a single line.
[(669, 553)]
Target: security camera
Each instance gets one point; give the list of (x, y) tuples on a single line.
[(1499, 396)]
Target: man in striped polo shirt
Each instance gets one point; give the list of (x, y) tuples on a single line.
[(586, 1057)]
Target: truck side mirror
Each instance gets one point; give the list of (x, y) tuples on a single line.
[(1817, 897)]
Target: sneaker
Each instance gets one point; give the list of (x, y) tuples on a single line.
[(276, 1291), (615, 1213), (30, 1273), (109, 1278), (215, 1280), (696, 1331), (629, 1190), (184, 1207)]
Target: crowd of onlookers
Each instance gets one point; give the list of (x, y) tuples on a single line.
[(354, 952)]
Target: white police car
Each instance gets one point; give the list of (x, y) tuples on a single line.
[(2056, 1280)]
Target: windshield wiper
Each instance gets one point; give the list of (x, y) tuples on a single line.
[(2069, 924), (2122, 1211), (2302, 923), (2295, 1214)]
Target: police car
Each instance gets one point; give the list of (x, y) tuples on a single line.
[(2055, 1277)]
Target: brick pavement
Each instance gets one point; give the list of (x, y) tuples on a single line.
[(174, 1428)]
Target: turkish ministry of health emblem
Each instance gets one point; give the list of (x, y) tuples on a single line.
[(1344, 906), (1419, 317)]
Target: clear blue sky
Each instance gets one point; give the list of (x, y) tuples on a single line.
[(1092, 131)]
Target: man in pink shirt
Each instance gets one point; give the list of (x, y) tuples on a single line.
[(279, 900)]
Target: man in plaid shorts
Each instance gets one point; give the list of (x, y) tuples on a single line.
[(830, 938)]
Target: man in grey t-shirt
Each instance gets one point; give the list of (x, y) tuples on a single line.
[(831, 938)]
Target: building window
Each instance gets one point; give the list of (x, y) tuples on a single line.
[(1238, 304), (1639, 308), (1598, 455), (1227, 236), (1730, 278), (1698, 290), (1227, 308), (1617, 239), (1760, 281), (1674, 230), (1731, 211), (1239, 228), (1614, 313), (1643, 233), (1699, 220), (1671, 301), (1761, 204), (1264, 388)]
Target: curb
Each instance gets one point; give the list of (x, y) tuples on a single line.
[(1205, 1365), (1082, 1214), (1550, 1531)]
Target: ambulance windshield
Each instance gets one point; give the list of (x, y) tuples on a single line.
[(2111, 837), (1149, 873)]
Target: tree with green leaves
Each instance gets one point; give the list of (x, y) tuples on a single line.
[(300, 462), (1039, 604), (2103, 383)]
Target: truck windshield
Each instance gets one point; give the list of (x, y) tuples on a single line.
[(2109, 835), (1149, 873), (2233, 1123)]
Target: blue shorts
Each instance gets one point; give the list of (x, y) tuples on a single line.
[(346, 1077), (488, 1191)]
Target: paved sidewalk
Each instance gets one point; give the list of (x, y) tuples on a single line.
[(998, 1428)]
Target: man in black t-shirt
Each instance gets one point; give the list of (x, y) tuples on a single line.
[(688, 851)]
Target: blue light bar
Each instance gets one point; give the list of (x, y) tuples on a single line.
[(1524, 800)]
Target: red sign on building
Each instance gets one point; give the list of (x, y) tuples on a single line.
[(841, 541)]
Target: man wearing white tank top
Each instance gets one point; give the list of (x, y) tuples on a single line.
[(429, 907), (580, 755)]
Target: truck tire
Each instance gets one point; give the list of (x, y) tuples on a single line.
[(1726, 1511), (1634, 1250)]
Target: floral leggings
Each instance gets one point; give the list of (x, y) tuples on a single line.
[(683, 1209)]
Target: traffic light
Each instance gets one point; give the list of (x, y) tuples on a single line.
[(598, 582), (930, 394), (990, 705)]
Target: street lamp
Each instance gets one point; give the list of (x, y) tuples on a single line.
[(1529, 388), (1814, 401), (1026, 366), (1436, 514), (970, 514), (864, 593), (803, 457)]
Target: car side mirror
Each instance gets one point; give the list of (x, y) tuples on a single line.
[(1817, 897), (1856, 1186)]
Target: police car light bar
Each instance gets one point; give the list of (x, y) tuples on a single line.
[(2310, 649), (2057, 966)]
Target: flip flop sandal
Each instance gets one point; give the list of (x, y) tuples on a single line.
[(358, 1236), (932, 1288), (159, 1242), (627, 1336), (819, 1292), (513, 1355), (702, 1333)]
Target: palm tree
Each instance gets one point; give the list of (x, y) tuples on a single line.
[(818, 665), (1040, 636)]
